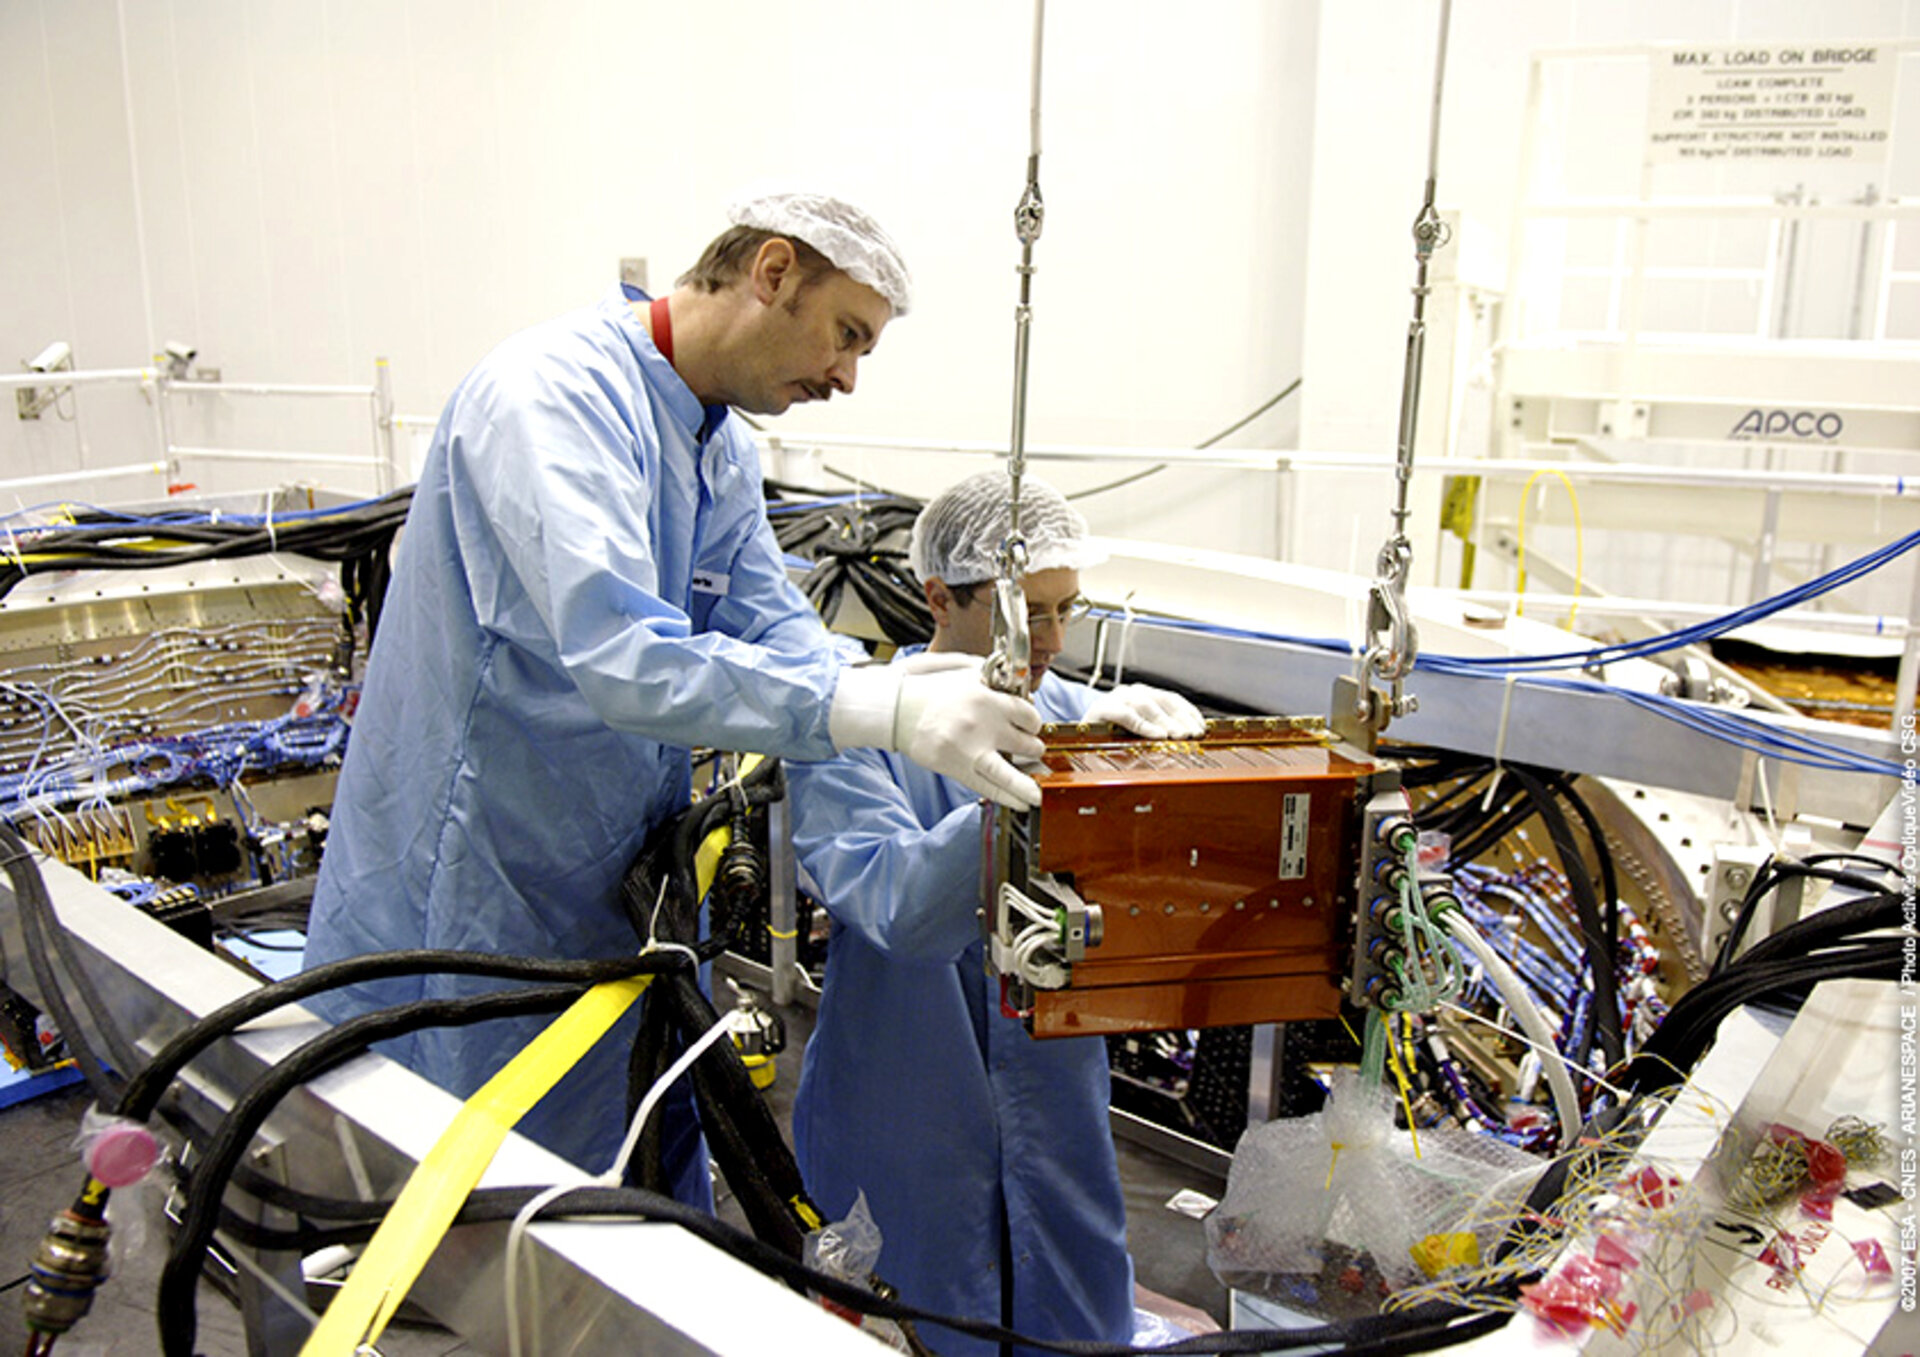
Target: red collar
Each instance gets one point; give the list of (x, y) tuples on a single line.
[(662, 328)]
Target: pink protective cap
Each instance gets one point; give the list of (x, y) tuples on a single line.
[(123, 1154)]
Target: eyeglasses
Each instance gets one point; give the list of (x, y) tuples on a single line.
[(1061, 615)]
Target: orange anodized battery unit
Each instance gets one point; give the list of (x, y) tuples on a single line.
[(1180, 884)]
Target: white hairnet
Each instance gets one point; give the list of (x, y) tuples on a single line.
[(840, 231), (957, 536)]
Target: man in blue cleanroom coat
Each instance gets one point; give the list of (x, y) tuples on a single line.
[(587, 586), (983, 1153)]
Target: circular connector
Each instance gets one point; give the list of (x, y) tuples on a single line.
[(1398, 833)]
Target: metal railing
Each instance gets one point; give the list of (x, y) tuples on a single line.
[(164, 387)]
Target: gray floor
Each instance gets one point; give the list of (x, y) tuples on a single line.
[(39, 1173)]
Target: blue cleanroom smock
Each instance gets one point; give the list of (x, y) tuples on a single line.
[(586, 586), (918, 1090)]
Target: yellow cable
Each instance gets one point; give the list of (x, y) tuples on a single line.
[(706, 860), (446, 1176), (1400, 1078), (80, 559), (1579, 545), (1350, 1032)]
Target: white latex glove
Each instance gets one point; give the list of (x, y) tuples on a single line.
[(1153, 712), (936, 711)]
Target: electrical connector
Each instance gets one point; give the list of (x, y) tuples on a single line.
[(67, 1268)]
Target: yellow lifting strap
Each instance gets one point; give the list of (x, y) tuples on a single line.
[(438, 1187), (444, 1179)]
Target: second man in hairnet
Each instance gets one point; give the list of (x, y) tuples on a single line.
[(985, 1156)]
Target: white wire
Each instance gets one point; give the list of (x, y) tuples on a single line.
[(653, 919), (1566, 1102), (1126, 634), (1550, 1052), (1027, 907), (611, 1178), (1766, 802), (1099, 651), (514, 1234)]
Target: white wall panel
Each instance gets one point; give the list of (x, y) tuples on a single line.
[(321, 183), (1229, 188)]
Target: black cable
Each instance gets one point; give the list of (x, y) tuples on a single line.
[(1757, 888), (1205, 443), (1419, 1332), (1833, 925), (849, 547), (1864, 859), (741, 1132), (96, 543), (358, 539), (1421, 1329), (144, 1090), (1773, 874), (1689, 1027), (1597, 838), (1475, 831), (1465, 784), (661, 896), (1508, 815), (1601, 948), (654, 1051), (661, 880), (331, 1049)]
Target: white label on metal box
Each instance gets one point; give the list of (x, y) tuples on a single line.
[(1295, 809)]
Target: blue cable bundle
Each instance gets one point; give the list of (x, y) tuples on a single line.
[(1731, 728)]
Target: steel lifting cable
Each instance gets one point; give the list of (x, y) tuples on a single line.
[(1008, 666), (1391, 641)]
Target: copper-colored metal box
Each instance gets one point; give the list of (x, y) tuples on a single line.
[(1220, 876)]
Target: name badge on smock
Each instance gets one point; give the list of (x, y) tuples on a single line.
[(711, 582)]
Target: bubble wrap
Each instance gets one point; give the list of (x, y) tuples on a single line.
[(1345, 1176)]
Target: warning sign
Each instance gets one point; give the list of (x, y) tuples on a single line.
[(1829, 102)]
